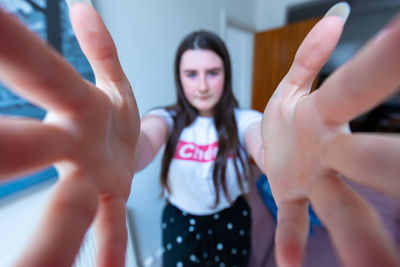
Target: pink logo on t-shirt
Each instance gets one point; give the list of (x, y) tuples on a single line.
[(194, 152)]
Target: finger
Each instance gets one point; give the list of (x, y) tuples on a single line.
[(97, 45), (35, 71), (111, 233), (369, 159), (366, 80), (291, 233), (70, 213), (27, 145), (357, 233), (316, 48)]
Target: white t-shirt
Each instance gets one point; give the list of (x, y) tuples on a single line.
[(190, 173)]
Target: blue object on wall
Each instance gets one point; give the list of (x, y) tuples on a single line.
[(266, 194), (15, 185)]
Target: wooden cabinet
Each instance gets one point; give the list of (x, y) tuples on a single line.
[(274, 52)]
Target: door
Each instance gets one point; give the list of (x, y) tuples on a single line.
[(240, 44), (274, 52)]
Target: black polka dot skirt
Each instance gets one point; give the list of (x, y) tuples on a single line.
[(221, 239)]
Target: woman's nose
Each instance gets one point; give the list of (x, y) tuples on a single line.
[(203, 85)]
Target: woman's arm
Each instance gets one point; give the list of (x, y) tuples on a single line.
[(254, 146), (153, 134)]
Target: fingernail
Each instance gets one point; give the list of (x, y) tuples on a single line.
[(341, 9), (71, 2)]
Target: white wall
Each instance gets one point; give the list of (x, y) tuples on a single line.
[(272, 14), (18, 222), (240, 45), (147, 34)]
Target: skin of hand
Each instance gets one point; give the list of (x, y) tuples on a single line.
[(308, 147), (89, 133)]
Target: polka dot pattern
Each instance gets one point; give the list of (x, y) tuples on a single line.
[(225, 235), (217, 258)]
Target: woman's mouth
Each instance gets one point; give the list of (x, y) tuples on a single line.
[(205, 97)]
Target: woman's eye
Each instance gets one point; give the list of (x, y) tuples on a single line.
[(191, 74), (213, 73)]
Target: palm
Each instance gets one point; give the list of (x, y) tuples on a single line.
[(89, 133), (308, 146), (100, 146), (283, 158)]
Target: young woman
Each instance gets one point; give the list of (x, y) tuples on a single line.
[(209, 142)]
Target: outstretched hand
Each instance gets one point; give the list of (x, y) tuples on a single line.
[(308, 146), (89, 133)]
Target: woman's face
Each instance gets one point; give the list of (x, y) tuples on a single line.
[(202, 76)]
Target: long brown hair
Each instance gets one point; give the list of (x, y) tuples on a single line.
[(184, 114)]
